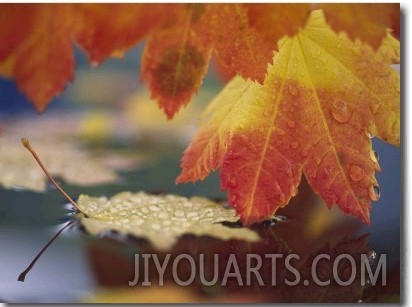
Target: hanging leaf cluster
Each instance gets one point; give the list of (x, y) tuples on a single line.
[(311, 84)]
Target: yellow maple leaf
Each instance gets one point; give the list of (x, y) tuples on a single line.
[(321, 99)]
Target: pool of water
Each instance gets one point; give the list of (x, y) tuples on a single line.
[(80, 267)]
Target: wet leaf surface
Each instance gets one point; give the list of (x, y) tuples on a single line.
[(160, 219), (308, 118)]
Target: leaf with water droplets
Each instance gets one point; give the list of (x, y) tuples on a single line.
[(209, 146), (254, 30), (312, 121), (161, 219)]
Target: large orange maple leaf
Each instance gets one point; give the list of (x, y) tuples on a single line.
[(322, 97)]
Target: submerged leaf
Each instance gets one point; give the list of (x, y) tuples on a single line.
[(160, 219)]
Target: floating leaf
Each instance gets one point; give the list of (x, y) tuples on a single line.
[(160, 219), (67, 161), (216, 256)]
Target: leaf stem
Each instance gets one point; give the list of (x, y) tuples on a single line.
[(23, 274), (26, 144)]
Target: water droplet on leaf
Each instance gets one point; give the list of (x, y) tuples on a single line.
[(374, 156), (232, 182), (304, 153), (374, 192), (179, 213), (280, 132), (356, 173), (156, 226), (154, 208), (310, 171), (293, 90), (328, 170), (369, 135), (340, 111), (252, 147), (291, 124), (240, 126), (330, 194), (294, 145)]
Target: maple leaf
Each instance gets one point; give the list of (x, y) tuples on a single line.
[(253, 30), (106, 30), (319, 100), (253, 52), (366, 21), (40, 55), (160, 219), (176, 57), (66, 160)]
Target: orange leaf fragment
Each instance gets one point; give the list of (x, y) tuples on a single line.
[(209, 147), (321, 97), (365, 21), (176, 57), (275, 20), (110, 29), (11, 16), (41, 64), (253, 31), (240, 48)]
